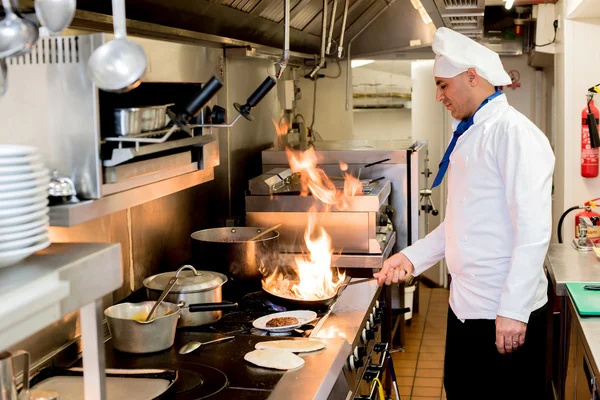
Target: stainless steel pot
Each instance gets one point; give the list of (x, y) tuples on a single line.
[(199, 293), (228, 250), (131, 334), (131, 121)]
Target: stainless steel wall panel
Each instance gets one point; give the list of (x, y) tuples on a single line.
[(248, 139), (348, 231), (53, 106)]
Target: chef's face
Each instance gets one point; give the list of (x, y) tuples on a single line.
[(456, 94)]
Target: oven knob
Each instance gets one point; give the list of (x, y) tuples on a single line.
[(368, 326), (371, 319), (351, 364), (370, 334), (358, 363), (376, 303), (361, 352), (374, 310), (377, 318), (363, 336)]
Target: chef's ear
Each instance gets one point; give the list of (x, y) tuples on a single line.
[(472, 76)]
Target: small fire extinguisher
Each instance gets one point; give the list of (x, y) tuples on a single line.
[(590, 142)]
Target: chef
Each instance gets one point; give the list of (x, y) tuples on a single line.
[(495, 234)]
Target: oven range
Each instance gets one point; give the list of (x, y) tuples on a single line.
[(350, 327)]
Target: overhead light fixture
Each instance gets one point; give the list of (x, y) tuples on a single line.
[(424, 15), (509, 3), (360, 63)]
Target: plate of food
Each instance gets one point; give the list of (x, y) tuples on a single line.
[(284, 321)]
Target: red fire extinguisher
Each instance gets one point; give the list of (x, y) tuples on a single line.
[(593, 232), (589, 154)]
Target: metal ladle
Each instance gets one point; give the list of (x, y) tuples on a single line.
[(55, 15), (119, 65), (17, 35)]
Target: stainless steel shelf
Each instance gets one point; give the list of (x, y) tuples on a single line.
[(53, 283), (77, 213)]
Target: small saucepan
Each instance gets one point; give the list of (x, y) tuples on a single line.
[(198, 293)]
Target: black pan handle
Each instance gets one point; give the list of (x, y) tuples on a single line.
[(261, 92), (377, 162), (376, 180), (202, 97), (224, 305)]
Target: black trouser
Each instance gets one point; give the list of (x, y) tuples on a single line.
[(473, 368)]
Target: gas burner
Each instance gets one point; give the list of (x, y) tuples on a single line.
[(197, 381), (260, 302)]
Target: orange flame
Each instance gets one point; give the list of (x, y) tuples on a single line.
[(281, 129), (312, 276)]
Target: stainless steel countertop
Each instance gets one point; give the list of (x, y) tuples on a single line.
[(348, 313), (565, 264), (316, 379)]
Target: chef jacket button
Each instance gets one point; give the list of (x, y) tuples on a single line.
[(464, 238), (472, 276), (466, 158)]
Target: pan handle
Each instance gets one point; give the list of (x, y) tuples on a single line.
[(376, 162), (224, 305)]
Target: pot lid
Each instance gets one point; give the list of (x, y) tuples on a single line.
[(187, 281)]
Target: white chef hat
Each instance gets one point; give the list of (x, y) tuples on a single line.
[(456, 53)]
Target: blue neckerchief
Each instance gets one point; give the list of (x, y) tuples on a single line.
[(463, 126)]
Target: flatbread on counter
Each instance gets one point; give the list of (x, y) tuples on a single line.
[(295, 346), (275, 359)]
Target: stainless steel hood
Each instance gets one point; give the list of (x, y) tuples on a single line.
[(260, 22), (245, 21)]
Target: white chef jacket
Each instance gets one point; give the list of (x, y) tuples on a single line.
[(498, 220)]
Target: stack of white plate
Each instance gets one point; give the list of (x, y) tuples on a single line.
[(23, 203)]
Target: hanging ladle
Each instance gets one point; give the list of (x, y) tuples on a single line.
[(17, 35), (119, 65)]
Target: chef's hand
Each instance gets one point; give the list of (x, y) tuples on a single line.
[(395, 269), (510, 334)]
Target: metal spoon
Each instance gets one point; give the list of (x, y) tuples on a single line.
[(191, 346), (17, 35), (119, 65), (55, 15), (164, 294)]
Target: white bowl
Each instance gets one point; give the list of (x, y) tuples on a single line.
[(28, 184), (34, 158), (9, 237), (14, 256), (20, 169), (16, 150), (19, 194), (22, 219), (24, 201), (24, 177), (44, 220), (23, 243), (16, 211)]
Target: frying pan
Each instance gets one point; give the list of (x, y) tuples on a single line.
[(311, 304)]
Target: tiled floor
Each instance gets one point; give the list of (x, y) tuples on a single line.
[(420, 368)]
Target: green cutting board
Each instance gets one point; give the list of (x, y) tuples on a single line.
[(586, 301)]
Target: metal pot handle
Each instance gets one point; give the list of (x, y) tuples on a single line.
[(187, 267)]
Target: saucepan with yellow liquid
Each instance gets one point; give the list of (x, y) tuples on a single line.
[(132, 334)]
